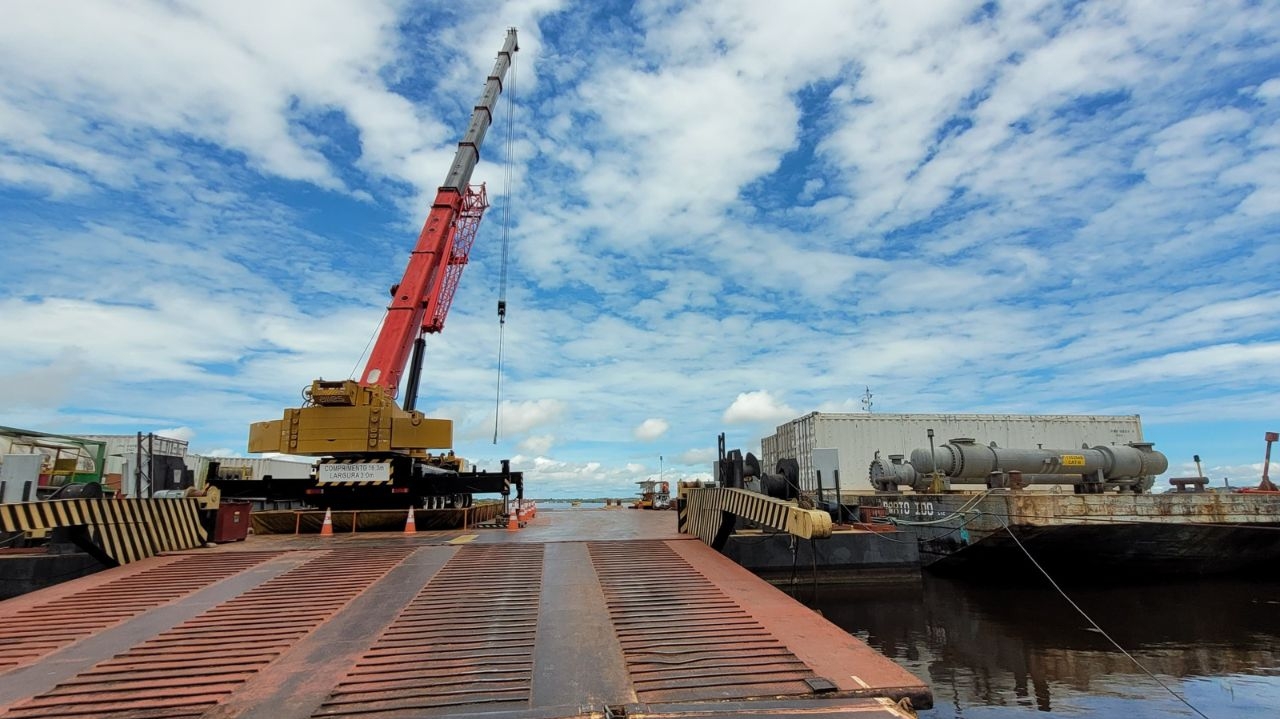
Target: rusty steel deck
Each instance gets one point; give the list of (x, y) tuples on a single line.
[(584, 613)]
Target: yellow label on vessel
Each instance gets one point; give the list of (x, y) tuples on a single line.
[(1073, 460)]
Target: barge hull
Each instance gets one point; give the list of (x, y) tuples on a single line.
[(1089, 536)]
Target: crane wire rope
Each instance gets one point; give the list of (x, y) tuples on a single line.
[(1094, 624), (506, 245), (367, 345)]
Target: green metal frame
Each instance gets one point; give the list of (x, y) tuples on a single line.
[(98, 456)]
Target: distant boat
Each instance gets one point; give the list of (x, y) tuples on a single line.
[(575, 503)]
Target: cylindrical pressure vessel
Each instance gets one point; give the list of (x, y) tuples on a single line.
[(1136, 459), (887, 475), (966, 459)]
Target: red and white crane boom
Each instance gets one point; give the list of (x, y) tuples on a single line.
[(420, 301)]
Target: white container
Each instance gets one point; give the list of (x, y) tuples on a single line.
[(262, 467), (857, 437), (122, 447), (19, 476)]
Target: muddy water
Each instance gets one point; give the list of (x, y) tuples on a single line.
[(995, 652)]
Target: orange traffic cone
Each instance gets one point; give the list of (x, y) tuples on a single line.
[(410, 523), (513, 521), (326, 527)]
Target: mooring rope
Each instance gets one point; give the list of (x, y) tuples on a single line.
[(1092, 623)]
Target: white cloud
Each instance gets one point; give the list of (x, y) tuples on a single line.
[(1235, 475), (223, 74), (520, 417), (52, 180), (811, 188), (186, 434), (548, 477), (651, 429), (697, 456), (45, 386), (1262, 360), (257, 80), (846, 405), (1269, 90), (758, 406), (537, 444)]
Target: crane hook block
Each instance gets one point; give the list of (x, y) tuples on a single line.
[(502, 308)]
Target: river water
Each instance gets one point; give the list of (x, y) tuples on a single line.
[(1000, 652)]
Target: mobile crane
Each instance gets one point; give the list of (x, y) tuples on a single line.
[(373, 452)]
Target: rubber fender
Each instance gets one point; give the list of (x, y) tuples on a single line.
[(809, 523)]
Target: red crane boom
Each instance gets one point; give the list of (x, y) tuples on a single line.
[(420, 302)]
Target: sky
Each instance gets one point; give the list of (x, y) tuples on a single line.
[(720, 217)]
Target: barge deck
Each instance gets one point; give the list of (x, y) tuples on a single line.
[(584, 613)]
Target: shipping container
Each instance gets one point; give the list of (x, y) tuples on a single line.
[(122, 449), (857, 438), (261, 468)]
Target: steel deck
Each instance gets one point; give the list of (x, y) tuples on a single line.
[(584, 613)]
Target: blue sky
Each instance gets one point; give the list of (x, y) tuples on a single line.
[(723, 216)]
